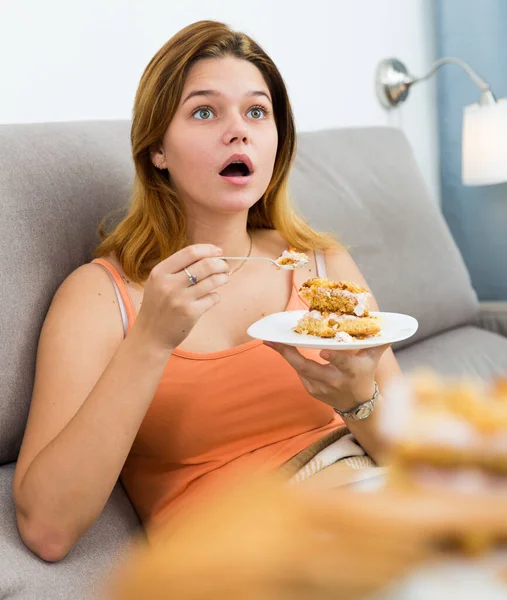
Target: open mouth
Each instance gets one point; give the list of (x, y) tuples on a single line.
[(236, 169)]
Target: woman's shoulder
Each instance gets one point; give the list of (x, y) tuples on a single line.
[(89, 274), (87, 293), (115, 262), (91, 284)]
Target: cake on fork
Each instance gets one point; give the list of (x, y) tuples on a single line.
[(292, 258)]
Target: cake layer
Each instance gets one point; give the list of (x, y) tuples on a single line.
[(329, 296), (329, 325)]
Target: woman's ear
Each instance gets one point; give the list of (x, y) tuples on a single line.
[(157, 157)]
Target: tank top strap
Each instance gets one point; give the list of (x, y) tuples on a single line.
[(320, 261), (127, 311)]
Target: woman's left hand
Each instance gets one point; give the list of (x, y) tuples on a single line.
[(346, 381)]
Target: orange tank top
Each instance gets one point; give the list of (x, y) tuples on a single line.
[(214, 415)]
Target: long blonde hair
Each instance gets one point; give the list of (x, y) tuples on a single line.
[(155, 224)]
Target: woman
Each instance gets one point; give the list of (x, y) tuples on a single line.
[(187, 399)]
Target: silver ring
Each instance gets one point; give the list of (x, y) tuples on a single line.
[(191, 278)]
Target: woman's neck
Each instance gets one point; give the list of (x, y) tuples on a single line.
[(232, 237)]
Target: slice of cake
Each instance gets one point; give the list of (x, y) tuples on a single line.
[(338, 310)]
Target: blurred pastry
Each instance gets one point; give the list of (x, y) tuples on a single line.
[(447, 436), (265, 540)]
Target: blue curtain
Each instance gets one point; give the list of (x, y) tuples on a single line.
[(475, 31)]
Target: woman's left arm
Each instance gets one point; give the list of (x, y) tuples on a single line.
[(349, 378), (340, 266)]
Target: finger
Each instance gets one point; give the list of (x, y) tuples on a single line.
[(188, 256), (338, 358), (343, 356), (375, 352), (329, 354), (304, 366), (203, 269), (207, 285), (203, 304)]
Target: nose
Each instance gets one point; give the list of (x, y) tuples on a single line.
[(236, 130)]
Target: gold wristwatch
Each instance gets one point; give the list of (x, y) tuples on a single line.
[(363, 411)]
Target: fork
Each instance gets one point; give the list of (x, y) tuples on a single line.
[(271, 260)]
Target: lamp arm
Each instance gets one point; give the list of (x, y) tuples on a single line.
[(393, 81), (477, 79)]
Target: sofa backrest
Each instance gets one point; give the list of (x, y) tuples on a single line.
[(363, 185), (57, 181)]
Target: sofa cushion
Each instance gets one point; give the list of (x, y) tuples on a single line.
[(365, 186), (467, 350), (24, 576), (57, 180)]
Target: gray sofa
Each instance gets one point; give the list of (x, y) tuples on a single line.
[(58, 180)]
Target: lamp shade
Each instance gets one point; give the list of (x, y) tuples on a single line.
[(484, 160)]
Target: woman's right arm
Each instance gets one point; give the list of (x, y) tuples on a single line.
[(92, 390)]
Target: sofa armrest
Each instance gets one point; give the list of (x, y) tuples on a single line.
[(493, 317)]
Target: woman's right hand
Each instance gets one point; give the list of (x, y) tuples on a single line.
[(171, 305)]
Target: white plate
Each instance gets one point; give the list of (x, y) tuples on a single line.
[(278, 328)]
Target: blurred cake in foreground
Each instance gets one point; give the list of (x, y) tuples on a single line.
[(447, 434), (447, 445), (338, 310)]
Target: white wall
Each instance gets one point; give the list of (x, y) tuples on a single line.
[(65, 60)]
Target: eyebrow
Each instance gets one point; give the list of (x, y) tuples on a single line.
[(217, 94)]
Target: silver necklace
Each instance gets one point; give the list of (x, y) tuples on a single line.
[(247, 256)]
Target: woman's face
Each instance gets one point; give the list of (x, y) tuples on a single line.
[(225, 109)]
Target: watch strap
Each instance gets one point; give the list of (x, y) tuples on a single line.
[(361, 411)]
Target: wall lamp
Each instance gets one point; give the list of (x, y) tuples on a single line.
[(484, 145)]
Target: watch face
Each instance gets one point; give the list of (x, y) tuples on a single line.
[(363, 412)]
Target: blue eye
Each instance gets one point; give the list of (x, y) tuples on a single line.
[(203, 109), (258, 109)]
